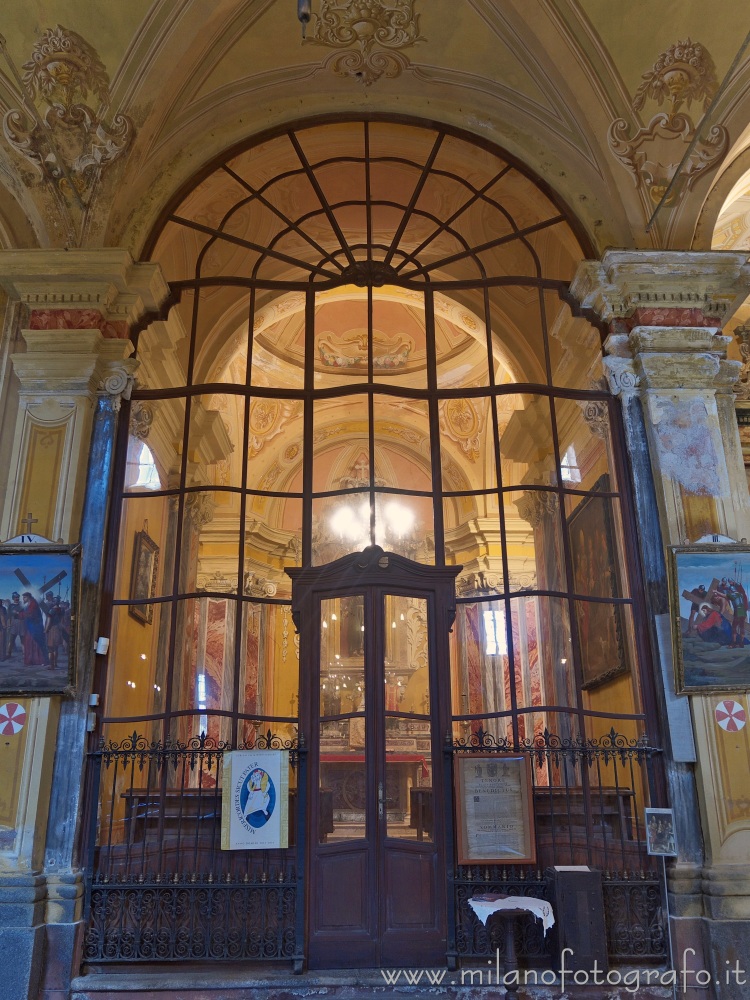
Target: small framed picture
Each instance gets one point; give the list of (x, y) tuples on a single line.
[(143, 577), (494, 808), (38, 618), (709, 587), (660, 838)]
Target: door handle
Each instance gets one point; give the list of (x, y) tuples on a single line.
[(380, 799)]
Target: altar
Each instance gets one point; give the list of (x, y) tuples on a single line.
[(344, 774)]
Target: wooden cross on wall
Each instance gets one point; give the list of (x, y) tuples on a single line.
[(28, 521)]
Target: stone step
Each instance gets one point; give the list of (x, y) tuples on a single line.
[(225, 984)]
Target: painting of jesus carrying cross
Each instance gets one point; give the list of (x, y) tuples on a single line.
[(38, 598)]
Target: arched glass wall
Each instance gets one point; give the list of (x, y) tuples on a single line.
[(370, 344)]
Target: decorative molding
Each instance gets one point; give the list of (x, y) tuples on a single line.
[(480, 583), (101, 289), (217, 583), (536, 505), (141, 419), (350, 351), (371, 32), (76, 319), (654, 152), (268, 418), (61, 135), (621, 375), (56, 130), (82, 362), (199, 507), (683, 73), (117, 382), (460, 423), (742, 336), (715, 283), (596, 414), (258, 586)]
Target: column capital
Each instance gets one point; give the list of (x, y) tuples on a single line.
[(664, 287), (100, 289), (85, 363)]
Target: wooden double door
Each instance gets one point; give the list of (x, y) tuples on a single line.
[(375, 702)]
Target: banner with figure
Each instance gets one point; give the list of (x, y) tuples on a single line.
[(255, 800)]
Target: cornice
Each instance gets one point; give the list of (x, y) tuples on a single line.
[(107, 280), (715, 282)]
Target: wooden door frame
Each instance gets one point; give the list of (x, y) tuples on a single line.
[(362, 572)]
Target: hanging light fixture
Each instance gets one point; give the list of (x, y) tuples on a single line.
[(303, 13)]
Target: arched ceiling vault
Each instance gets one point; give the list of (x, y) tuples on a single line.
[(543, 79)]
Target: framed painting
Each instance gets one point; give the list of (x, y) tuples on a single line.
[(660, 837), (595, 574), (494, 808), (709, 608), (145, 568), (38, 618)]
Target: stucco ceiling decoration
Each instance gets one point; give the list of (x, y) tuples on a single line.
[(269, 418), (350, 350), (371, 31), (460, 423), (56, 130), (682, 74)]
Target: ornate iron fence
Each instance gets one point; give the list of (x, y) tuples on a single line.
[(159, 887), (588, 797)]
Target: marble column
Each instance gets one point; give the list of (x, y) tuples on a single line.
[(667, 361), (75, 309)]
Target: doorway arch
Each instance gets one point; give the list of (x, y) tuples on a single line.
[(371, 349)]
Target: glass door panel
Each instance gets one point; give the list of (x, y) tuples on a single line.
[(407, 732), (343, 750)]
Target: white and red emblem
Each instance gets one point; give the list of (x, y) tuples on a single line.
[(731, 716), (12, 718)]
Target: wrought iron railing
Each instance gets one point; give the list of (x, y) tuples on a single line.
[(159, 887), (588, 797)]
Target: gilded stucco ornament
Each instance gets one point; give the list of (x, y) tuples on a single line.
[(371, 32), (58, 130), (682, 74)]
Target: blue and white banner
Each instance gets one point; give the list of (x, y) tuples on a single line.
[(255, 800)]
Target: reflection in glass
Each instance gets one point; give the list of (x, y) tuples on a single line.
[(151, 462), (506, 652), (342, 656), (203, 678), (583, 426), (407, 792), (527, 453), (341, 338), (138, 657), (539, 560), (343, 781), (269, 662)]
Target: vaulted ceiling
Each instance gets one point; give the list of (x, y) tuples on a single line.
[(557, 84)]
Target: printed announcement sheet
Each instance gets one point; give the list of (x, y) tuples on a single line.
[(494, 808)]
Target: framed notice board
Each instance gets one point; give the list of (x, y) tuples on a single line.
[(494, 814)]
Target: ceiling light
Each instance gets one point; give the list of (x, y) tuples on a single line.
[(303, 13)]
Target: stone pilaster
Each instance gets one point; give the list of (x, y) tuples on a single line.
[(76, 309), (666, 360)]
